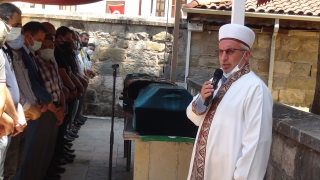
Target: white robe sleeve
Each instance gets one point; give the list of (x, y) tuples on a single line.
[(257, 138), (196, 118)]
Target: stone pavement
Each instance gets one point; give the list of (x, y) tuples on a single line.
[(92, 152)]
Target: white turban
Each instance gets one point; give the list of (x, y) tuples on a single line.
[(237, 32)]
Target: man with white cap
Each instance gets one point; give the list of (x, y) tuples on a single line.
[(235, 129)]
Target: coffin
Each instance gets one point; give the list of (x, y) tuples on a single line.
[(160, 109)]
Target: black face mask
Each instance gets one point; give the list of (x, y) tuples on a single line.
[(65, 45), (84, 44)]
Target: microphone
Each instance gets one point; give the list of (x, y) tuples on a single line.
[(215, 80)]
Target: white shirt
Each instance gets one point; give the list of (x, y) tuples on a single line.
[(240, 135)]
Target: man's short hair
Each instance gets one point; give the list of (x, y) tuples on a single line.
[(34, 27), (7, 10), (63, 30), (84, 34)]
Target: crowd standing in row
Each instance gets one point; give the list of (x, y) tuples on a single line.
[(44, 74)]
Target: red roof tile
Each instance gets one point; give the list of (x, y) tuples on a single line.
[(292, 7)]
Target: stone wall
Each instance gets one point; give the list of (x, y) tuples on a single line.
[(295, 65), (140, 45), (295, 149)]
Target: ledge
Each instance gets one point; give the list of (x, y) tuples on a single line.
[(92, 17), (297, 125)]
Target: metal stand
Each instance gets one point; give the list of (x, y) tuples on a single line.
[(114, 67)]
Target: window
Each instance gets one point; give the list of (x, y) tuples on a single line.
[(32, 5), (43, 6), (174, 6), (160, 8), (68, 8)]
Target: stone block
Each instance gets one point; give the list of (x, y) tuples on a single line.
[(118, 30), (154, 46), (137, 45), (288, 159), (122, 43), (290, 43), (142, 36), (314, 70), (309, 98), (142, 58), (254, 65), (163, 158), (112, 55), (164, 58), (279, 82), (182, 49), (153, 70), (211, 49), (104, 68), (264, 41), (193, 60), (161, 37), (277, 149), (196, 50), (291, 96), (301, 69), (201, 38), (105, 109), (275, 95), (310, 45), (105, 96), (142, 160), (281, 55), (299, 56), (261, 54), (282, 67), (209, 62), (90, 96), (129, 68), (109, 42), (263, 66), (302, 83), (92, 109), (107, 83)]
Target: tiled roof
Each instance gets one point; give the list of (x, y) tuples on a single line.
[(292, 7)]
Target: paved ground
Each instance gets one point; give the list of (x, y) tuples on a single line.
[(92, 151)]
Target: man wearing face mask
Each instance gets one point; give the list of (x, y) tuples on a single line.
[(11, 19), (34, 33), (235, 129), (87, 51)]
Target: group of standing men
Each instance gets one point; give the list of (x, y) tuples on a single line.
[(44, 74)]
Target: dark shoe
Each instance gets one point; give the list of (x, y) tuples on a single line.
[(52, 174), (79, 120), (69, 150), (69, 154), (58, 169), (60, 161), (74, 131), (69, 137), (75, 126), (67, 159), (70, 133), (67, 140), (67, 144), (83, 118)]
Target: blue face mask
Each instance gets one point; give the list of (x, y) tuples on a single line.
[(17, 43)]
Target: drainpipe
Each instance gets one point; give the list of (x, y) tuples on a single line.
[(272, 53), (187, 59)]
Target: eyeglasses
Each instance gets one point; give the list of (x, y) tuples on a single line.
[(229, 51)]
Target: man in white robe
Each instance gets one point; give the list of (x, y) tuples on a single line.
[(235, 130)]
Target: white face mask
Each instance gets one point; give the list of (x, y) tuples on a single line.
[(14, 33), (89, 51), (36, 45), (235, 69), (4, 31), (17, 43), (47, 54)]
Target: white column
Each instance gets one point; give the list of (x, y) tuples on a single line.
[(238, 11), (168, 9), (154, 5)]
